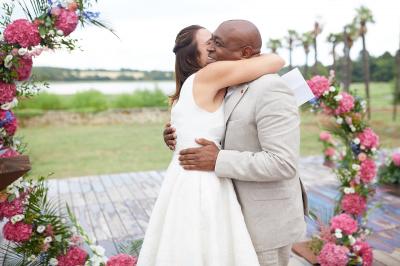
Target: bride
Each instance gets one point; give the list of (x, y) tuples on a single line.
[(197, 220)]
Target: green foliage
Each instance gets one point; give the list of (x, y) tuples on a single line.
[(141, 98), (92, 99), (43, 101), (133, 248), (389, 173)]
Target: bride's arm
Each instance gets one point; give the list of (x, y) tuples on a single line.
[(222, 74)]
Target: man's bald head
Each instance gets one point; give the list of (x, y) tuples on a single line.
[(236, 39)]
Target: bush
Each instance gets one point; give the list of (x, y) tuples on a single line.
[(89, 100), (141, 98), (43, 101)]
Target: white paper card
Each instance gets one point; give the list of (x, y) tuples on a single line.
[(294, 79)]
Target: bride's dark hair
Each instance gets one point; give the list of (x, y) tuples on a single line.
[(186, 57)]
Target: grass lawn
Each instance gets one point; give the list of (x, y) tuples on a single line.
[(90, 150)]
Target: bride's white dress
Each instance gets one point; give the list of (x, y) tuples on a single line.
[(196, 220)]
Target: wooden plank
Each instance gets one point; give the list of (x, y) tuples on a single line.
[(13, 168), (385, 258)]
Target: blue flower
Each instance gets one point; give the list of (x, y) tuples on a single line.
[(355, 148), (313, 101), (90, 15)]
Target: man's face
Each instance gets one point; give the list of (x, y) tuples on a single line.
[(224, 45)]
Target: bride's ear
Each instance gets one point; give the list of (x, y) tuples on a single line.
[(247, 52)]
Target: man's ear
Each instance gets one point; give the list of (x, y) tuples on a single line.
[(247, 52)]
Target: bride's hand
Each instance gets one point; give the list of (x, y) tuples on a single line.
[(202, 159)]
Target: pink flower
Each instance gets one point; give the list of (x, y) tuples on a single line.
[(55, 11), (75, 257), (9, 209), (368, 170), (396, 159), (333, 255), (122, 260), (345, 223), (365, 251), (22, 32), (318, 85), (8, 121), (354, 204), (24, 68), (368, 138), (327, 110), (19, 232), (66, 21), (325, 136), (362, 157), (330, 152), (7, 92), (345, 104)]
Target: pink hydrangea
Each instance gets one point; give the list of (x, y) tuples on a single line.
[(318, 85), (22, 32), (122, 260), (7, 92), (333, 255), (368, 138), (66, 21), (354, 204), (368, 170), (345, 104), (9, 209), (18, 232), (365, 251), (24, 68), (75, 257), (330, 152), (396, 159), (345, 223), (325, 136)]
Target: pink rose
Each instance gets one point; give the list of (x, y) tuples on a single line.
[(354, 204), (362, 157), (122, 260), (345, 223), (318, 85), (325, 136), (333, 255), (396, 159), (330, 152)]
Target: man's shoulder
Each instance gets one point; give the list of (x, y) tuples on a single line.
[(273, 83)]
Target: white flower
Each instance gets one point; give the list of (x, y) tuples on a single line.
[(53, 262), (22, 51), (334, 157), (48, 240), (373, 149), (98, 260), (60, 33), (348, 190), (99, 250), (339, 120), (352, 128), (338, 97), (41, 229), (17, 218), (332, 89), (357, 248), (338, 233), (367, 231), (32, 258), (356, 141), (352, 240), (1, 37), (325, 93), (10, 105), (8, 61), (356, 167), (51, 32), (73, 230), (63, 220)]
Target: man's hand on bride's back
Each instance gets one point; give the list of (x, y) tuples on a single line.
[(170, 136), (202, 158)]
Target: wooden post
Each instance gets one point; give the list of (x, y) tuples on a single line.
[(13, 168)]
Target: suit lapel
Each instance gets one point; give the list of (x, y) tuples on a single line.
[(232, 101)]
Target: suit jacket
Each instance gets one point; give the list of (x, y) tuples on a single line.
[(260, 153)]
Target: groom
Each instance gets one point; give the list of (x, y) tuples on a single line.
[(260, 149)]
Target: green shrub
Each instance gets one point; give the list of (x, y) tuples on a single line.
[(92, 99), (43, 101), (141, 98)]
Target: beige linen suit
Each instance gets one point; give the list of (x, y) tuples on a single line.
[(260, 153)]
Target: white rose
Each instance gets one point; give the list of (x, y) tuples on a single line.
[(356, 167), (60, 33), (53, 262), (48, 240), (325, 93), (17, 218), (332, 89), (32, 258), (41, 229), (51, 32), (10, 105), (7, 61), (373, 149), (338, 97), (352, 240), (348, 190), (338, 234), (99, 250), (356, 141), (352, 128), (22, 51), (339, 120)]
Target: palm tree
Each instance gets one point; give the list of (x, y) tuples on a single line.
[(315, 32), (350, 34), (291, 39), (306, 40), (274, 45), (334, 39), (364, 15)]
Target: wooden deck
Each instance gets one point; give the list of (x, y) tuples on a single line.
[(116, 208)]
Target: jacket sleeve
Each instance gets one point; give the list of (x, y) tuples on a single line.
[(277, 121)]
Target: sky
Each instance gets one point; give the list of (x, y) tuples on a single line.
[(147, 29)]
